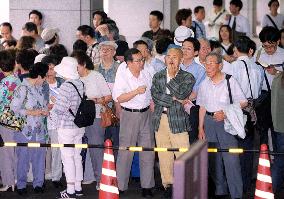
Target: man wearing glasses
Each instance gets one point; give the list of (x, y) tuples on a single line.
[(132, 90), (271, 55)]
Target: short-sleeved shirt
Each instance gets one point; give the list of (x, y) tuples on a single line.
[(215, 97), (93, 53), (96, 87), (256, 76), (200, 31), (242, 24), (7, 87), (276, 58), (278, 20), (125, 82), (197, 71)]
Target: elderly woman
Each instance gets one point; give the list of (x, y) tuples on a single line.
[(53, 83), (68, 133), (7, 88), (29, 101), (108, 68), (98, 90)]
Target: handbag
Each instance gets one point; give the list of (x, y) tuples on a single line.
[(9, 120), (108, 118)]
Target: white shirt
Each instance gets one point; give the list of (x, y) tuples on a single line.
[(215, 97), (242, 24), (255, 74), (212, 28), (96, 87), (278, 20), (276, 58), (125, 82)]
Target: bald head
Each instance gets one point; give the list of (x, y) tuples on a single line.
[(174, 57)]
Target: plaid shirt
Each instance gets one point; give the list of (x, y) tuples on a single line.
[(180, 87), (93, 53)]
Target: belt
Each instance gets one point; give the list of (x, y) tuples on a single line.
[(136, 110), (210, 113)]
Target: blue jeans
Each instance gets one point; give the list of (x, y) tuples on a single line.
[(278, 166)]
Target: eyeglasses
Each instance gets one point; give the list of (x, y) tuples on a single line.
[(265, 46), (106, 49), (139, 60)]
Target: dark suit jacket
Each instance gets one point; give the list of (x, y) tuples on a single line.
[(180, 87)]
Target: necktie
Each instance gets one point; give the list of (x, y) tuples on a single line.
[(234, 24)]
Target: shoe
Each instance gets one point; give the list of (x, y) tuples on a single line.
[(79, 193), (168, 192), (7, 188), (38, 190), (22, 191), (57, 184), (147, 193), (64, 194)]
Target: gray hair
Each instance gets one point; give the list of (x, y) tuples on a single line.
[(217, 55), (204, 39), (113, 29)]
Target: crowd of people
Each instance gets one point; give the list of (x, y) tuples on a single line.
[(207, 80)]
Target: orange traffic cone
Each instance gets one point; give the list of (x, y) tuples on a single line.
[(263, 188), (108, 184)]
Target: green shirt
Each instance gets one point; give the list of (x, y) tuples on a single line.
[(277, 103)]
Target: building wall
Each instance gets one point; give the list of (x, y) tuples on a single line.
[(61, 14)]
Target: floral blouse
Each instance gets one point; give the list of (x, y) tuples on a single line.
[(31, 97), (7, 88)]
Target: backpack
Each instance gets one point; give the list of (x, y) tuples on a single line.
[(86, 112)]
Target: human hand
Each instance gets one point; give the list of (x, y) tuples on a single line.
[(103, 29), (271, 70), (201, 134), (141, 89), (219, 116)]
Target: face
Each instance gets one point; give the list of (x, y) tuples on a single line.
[(137, 63), (143, 49), (173, 58), (212, 66), (51, 72), (269, 48), (97, 20), (154, 22), (35, 19), (224, 33), (79, 35), (201, 14), (234, 9), (107, 52), (274, 6), (82, 70), (5, 32), (187, 22), (188, 50), (204, 49)]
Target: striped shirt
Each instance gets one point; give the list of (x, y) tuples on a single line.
[(67, 98)]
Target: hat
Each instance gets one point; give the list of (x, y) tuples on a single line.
[(39, 57), (149, 42), (122, 48), (108, 43), (67, 68), (48, 33), (182, 33)]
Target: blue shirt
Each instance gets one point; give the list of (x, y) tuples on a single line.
[(197, 71), (199, 29)]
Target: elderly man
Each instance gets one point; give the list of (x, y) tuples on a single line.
[(6, 32), (132, 90), (171, 87), (213, 97)]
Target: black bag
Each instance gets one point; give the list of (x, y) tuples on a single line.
[(86, 112)]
